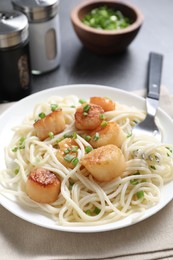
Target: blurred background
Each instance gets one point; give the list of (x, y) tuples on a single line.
[(127, 70)]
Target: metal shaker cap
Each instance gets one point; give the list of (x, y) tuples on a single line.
[(37, 10), (13, 28)]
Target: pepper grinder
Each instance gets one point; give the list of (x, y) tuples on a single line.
[(15, 72)]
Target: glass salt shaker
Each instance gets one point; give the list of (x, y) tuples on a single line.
[(44, 33), (15, 72)]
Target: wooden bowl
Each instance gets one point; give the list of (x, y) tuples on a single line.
[(106, 41)]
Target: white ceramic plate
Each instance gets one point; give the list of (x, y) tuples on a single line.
[(14, 116)]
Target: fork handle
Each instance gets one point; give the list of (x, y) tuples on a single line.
[(154, 75)]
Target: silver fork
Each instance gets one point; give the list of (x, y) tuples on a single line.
[(148, 125)]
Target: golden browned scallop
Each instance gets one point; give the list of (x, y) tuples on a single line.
[(43, 186), (87, 116), (53, 122), (111, 133), (106, 103), (104, 163), (67, 152)]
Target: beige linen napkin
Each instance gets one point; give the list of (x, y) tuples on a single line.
[(149, 239)]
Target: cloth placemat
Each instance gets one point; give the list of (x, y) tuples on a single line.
[(149, 239)]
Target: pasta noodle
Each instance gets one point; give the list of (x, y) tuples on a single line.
[(83, 201)]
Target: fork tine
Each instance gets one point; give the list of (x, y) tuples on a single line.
[(148, 125)]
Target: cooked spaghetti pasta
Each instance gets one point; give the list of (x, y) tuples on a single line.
[(84, 201)]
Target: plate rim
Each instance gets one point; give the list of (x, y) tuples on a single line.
[(83, 229)]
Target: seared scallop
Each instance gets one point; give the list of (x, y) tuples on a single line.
[(43, 186), (111, 133), (87, 116), (104, 163), (52, 123), (106, 103)]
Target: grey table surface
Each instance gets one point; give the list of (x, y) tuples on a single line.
[(125, 71)]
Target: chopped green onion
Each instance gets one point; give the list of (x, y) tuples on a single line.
[(86, 108), (51, 135), (73, 106), (53, 107), (75, 161), (106, 18), (97, 210), (140, 194), (66, 151), (20, 145), (87, 138), (15, 149), (21, 141), (16, 171), (74, 148), (42, 115), (71, 185), (104, 123), (134, 182), (88, 212), (102, 116), (82, 101), (74, 135), (59, 140), (69, 157), (88, 149), (67, 135), (96, 136), (129, 135), (169, 149), (153, 167)]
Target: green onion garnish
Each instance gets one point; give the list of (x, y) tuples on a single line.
[(66, 151), (67, 135), (75, 161), (88, 149), (20, 145), (86, 108), (140, 194), (15, 149), (97, 210), (71, 185), (102, 116), (88, 212), (69, 157), (74, 135), (87, 138), (21, 141), (169, 149), (53, 107), (96, 136), (134, 182), (59, 140), (104, 123), (42, 115), (51, 135), (74, 148), (82, 101), (16, 171)]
